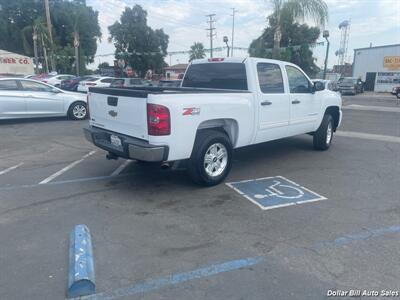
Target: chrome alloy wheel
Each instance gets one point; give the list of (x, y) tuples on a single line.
[(329, 131), (79, 111), (215, 160)]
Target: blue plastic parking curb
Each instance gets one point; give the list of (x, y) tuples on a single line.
[(81, 279)]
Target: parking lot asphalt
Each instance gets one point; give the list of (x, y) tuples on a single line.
[(149, 224)]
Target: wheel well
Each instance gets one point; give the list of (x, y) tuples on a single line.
[(228, 126), (334, 112)]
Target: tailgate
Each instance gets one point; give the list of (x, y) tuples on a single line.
[(125, 114)]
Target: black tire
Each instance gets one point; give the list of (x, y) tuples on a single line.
[(320, 139), (197, 167), (78, 116)]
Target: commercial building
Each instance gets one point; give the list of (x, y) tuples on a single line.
[(15, 64), (378, 66)]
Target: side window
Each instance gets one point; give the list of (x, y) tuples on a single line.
[(298, 83), (270, 78), (107, 80), (8, 85), (35, 86)]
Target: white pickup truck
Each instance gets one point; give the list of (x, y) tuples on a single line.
[(223, 103)]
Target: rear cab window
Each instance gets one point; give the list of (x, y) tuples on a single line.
[(225, 75)]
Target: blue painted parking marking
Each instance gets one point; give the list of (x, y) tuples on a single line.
[(274, 192)]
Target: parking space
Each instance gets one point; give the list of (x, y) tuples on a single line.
[(156, 235)]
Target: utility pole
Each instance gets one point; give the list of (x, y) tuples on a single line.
[(47, 8), (35, 49), (211, 34), (233, 28), (326, 35), (76, 46)]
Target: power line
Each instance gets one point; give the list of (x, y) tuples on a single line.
[(211, 34)]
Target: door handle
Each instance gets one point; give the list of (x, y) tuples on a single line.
[(296, 101), (266, 103)]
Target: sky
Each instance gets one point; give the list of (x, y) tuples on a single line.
[(375, 22)]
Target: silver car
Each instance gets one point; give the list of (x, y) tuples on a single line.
[(26, 98)]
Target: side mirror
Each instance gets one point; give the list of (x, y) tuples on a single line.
[(55, 91), (319, 86)]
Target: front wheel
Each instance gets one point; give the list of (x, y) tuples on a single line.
[(322, 138), (77, 111), (211, 159)]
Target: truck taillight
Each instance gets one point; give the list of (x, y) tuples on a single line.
[(158, 120)]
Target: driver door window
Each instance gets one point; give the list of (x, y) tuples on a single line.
[(298, 83)]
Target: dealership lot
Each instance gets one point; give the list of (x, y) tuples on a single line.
[(148, 224)]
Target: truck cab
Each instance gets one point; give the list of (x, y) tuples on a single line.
[(225, 102)]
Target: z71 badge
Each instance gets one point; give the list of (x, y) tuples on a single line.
[(191, 111)]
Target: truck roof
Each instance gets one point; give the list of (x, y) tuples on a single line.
[(238, 60)]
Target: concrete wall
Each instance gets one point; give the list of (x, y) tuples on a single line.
[(372, 60)]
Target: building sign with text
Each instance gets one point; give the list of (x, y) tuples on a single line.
[(391, 62), (13, 63)]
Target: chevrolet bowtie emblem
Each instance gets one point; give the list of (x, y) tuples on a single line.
[(112, 113)]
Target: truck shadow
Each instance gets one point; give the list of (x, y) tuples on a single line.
[(261, 160)]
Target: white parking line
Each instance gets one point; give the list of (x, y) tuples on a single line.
[(70, 166), (369, 136), (121, 168), (10, 169), (371, 108)]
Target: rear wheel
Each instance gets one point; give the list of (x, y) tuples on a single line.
[(211, 159), (77, 111), (322, 138)]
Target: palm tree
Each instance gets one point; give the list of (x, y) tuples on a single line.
[(196, 51), (317, 10), (39, 33)]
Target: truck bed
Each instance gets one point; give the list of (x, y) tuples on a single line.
[(143, 92)]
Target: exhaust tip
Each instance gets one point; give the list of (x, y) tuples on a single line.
[(110, 156), (165, 166)]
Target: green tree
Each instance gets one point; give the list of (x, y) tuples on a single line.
[(296, 39), (196, 51), (17, 19), (103, 65), (142, 47), (296, 10)]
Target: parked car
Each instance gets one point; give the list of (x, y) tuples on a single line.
[(72, 84), (27, 98), (97, 82), (129, 82), (396, 91), (328, 84), (224, 103), (55, 80), (351, 85), (170, 83)]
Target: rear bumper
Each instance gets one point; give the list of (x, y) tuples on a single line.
[(131, 148)]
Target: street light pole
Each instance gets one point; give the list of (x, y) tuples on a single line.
[(227, 45), (326, 35)]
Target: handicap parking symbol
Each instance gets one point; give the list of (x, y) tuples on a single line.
[(274, 192)]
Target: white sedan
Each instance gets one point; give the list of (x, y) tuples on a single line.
[(55, 80), (97, 82), (26, 98)]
